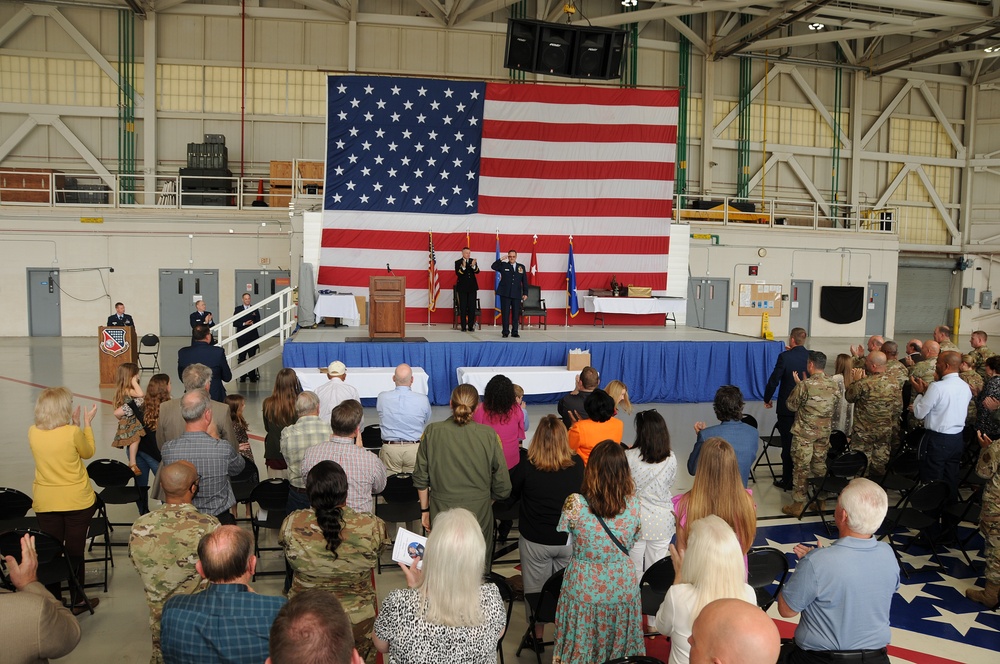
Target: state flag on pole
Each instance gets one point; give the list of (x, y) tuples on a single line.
[(574, 307), (533, 267)]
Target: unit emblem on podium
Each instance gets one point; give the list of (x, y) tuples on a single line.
[(114, 342)]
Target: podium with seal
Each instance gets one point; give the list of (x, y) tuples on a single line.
[(116, 346)]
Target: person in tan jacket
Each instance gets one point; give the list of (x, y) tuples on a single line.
[(34, 625)]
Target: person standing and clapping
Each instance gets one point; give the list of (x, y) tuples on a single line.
[(466, 268)]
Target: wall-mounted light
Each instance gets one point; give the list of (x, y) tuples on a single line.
[(629, 3), (816, 26)]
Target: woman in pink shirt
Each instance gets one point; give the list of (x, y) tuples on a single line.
[(501, 411)]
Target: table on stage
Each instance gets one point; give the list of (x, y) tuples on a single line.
[(534, 380), (634, 306), (339, 305), (368, 380)]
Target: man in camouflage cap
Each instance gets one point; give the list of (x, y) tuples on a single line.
[(164, 544), (813, 400), (876, 398), (980, 352)]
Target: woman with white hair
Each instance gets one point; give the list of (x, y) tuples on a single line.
[(711, 568), (447, 614)]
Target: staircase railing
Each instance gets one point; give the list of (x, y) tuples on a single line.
[(228, 336)]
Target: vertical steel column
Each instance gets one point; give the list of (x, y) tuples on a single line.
[(743, 140), (684, 92), (838, 111), (126, 105)]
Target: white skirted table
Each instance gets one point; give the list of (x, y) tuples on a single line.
[(534, 380), (342, 306), (634, 306), (368, 380)]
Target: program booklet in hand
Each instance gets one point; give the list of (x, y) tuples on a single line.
[(408, 546)]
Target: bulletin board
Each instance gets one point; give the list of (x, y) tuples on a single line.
[(756, 299)]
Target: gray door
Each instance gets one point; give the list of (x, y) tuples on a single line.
[(875, 307), (261, 284), (179, 290), (800, 305), (44, 317), (708, 303), (922, 298)]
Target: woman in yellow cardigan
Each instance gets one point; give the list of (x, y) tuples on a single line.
[(64, 501)]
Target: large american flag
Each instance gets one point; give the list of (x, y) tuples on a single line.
[(470, 159)]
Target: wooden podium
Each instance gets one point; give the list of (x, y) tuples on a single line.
[(387, 307), (115, 346)]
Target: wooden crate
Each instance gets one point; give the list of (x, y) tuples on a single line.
[(280, 197), (311, 172), (281, 174), (30, 185)]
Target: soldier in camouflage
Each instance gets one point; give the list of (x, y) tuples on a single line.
[(989, 522), (876, 398), (164, 544), (858, 352), (975, 383), (924, 370), (813, 400), (942, 335), (898, 372), (980, 352), (346, 571)]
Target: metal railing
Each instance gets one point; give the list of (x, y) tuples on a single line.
[(64, 189), (785, 213), (285, 316)]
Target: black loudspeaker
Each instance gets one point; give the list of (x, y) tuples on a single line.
[(555, 49), (561, 49), (522, 40)]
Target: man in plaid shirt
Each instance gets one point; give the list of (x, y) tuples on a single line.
[(309, 430), (216, 460), (365, 472)]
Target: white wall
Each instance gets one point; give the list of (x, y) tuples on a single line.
[(827, 258), (137, 249)]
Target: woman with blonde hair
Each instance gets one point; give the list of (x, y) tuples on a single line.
[(461, 464), (447, 613), (711, 568), (843, 411), (279, 412), (617, 391), (598, 616), (64, 501), (550, 475), (718, 490)]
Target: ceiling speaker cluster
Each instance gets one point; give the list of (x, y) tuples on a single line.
[(561, 49)]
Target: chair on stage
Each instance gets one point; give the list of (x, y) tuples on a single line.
[(535, 306), (477, 321)]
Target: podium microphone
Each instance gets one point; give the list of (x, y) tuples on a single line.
[(389, 269)]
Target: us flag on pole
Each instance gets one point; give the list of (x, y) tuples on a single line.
[(433, 284), (467, 158)]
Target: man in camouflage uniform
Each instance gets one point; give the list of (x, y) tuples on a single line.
[(980, 352), (942, 335), (876, 398), (813, 401), (924, 370), (898, 372), (348, 576), (164, 544), (989, 522), (858, 352), (975, 383)]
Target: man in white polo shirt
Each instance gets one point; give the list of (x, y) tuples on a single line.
[(943, 405)]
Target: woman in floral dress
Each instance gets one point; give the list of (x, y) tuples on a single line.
[(598, 616)]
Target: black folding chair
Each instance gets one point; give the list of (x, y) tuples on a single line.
[(839, 472), (100, 526), (504, 512), (114, 477), (149, 345), (773, 440), (272, 497), (507, 595), (838, 444), (402, 505), (653, 586), (371, 438), (765, 565), (541, 609), (14, 504), (244, 484), (921, 511), (54, 565)]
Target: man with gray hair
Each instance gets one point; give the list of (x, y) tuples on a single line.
[(942, 335), (215, 460), (171, 423), (844, 591), (310, 429)]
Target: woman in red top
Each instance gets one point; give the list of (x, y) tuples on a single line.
[(501, 411)]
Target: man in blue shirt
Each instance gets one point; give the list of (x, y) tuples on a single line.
[(228, 622), (844, 591), (743, 437), (402, 415)]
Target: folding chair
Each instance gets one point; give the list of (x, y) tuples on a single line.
[(765, 564), (113, 477), (773, 440), (371, 438), (653, 586), (244, 484), (149, 341), (541, 609), (504, 512), (54, 565), (507, 595), (921, 511), (14, 504), (271, 496), (402, 505), (839, 472), (100, 526)]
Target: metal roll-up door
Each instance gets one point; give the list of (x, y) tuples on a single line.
[(923, 299)]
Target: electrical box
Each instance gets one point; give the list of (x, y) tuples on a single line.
[(753, 271), (968, 297), (986, 300)]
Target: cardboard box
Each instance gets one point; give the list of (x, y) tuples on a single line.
[(578, 361), (640, 291), (362, 309)]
